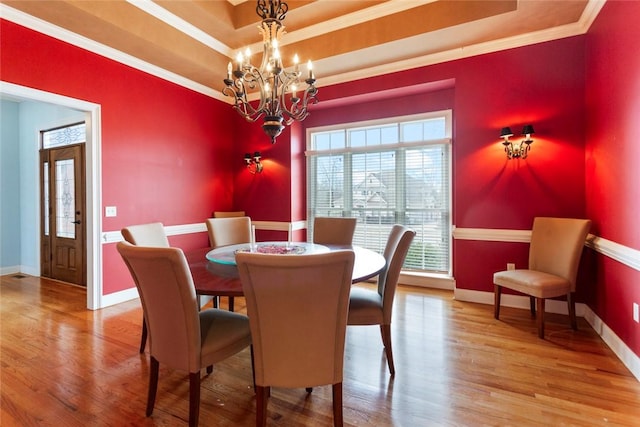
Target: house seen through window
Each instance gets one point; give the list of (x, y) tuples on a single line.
[(393, 171)]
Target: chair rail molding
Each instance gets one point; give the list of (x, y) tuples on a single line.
[(623, 254)]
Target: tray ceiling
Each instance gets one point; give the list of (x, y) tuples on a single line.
[(191, 42)]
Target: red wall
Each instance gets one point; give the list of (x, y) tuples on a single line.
[(165, 149), (542, 85), (612, 153)]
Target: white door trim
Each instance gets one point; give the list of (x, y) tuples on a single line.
[(93, 154)]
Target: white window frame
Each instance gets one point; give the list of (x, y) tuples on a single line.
[(347, 150)]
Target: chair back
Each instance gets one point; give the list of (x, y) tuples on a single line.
[(297, 307), (228, 214), (395, 252), (152, 235), (169, 303), (556, 246), (229, 231), (333, 230)]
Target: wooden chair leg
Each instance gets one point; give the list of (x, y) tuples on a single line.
[(209, 369), (385, 331), (572, 311), (253, 368), (143, 339), (194, 398), (231, 305), (337, 405), (541, 317), (262, 394), (153, 385), (532, 306), (497, 293)]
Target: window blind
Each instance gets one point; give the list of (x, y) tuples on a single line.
[(391, 172)]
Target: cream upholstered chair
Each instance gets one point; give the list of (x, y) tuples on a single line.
[(228, 214), (333, 230), (554, 257), (229, 230), (151, 235), (180, 335), (297, 307), (375, 307)]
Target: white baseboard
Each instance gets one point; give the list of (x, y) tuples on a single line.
[(427, 280), (624, 353), (616, 345), (118, 297), (9, 270)]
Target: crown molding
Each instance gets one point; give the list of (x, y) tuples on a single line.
[(48, 29)]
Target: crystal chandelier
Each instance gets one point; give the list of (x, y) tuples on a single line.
[(271, 79)]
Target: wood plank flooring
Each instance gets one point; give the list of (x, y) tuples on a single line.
[(63, 365)]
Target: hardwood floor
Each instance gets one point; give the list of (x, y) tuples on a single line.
[(456, 366)]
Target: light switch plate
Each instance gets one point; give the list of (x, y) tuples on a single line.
[(110, 211)]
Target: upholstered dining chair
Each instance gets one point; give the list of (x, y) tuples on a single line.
[(151, 235), (228, 214), (229, 230), (554, 257), (333, 230), (180, 335), (375, 307), (297, 307)]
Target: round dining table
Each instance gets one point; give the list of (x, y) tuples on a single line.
[(215, 272)]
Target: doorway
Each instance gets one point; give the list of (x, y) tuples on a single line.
[(63, 220), (93, 177)]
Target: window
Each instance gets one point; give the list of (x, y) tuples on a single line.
[(63, 136), (394, 171)]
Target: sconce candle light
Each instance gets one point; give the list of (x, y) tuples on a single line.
[(253, 162), (520, 149)]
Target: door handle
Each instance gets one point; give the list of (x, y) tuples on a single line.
[(77, 221)]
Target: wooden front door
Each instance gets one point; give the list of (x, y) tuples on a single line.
[(63, 250)]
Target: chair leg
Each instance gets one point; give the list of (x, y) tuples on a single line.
[(253, 368), (209, 369), (541, 317), (337, 405), (572, 311), (143, 339), (262, 394), (497, 293), (532, 306), (153, 385), (385, 331), (194, 398), (231, 304)]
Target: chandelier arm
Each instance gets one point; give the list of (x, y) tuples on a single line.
[(242, 105)]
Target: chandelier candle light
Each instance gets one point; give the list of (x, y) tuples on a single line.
[(271, 79)]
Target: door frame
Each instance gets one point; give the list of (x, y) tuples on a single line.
[(93, 176)]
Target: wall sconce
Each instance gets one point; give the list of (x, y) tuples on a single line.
[(520, 149), (253, 162)]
